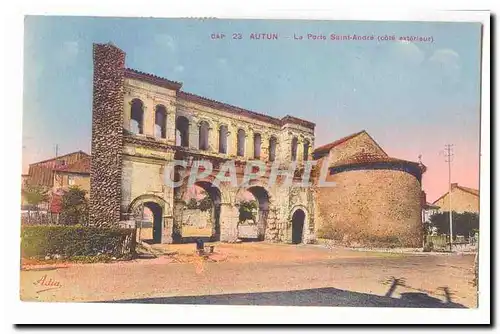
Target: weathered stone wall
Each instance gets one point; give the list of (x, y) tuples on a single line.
[(461, 201), (197, 218), (370, 207), (107, 125)]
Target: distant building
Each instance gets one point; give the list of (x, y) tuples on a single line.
[(58, 174), (463, 199), (75, 174), (429, 210)]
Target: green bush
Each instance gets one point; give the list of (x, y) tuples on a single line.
[(76, 241)]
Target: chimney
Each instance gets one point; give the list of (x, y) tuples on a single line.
[(454, 185), (423, 199)]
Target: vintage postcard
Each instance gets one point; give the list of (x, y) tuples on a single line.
[(232, 161)]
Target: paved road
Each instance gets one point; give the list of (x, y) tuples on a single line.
[(341, 281)]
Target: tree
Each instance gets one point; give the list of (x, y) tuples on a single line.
[(74, 207), (34, 195), (247, 210), (463, 223), (205, 204), (192, 204)]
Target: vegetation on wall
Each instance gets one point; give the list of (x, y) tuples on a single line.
[(247, 210), (203, 205)]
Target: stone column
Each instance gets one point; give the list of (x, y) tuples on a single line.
[(264, 147), (249, 144), (229, 216), (177, 220), (167, 230), (171, 125), (148, 119), (232, 140), (213, 138), (127, 106), (194, 135)]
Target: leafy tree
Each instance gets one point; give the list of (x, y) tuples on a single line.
[(34, 195), (192, 204), (205, 204), (463, 223), (74, 207), (247, 210)]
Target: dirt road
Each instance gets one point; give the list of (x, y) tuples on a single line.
[(265, 274)]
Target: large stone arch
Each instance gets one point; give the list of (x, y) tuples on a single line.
[(263, 197)]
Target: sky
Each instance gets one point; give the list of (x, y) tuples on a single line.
[(411, 97)]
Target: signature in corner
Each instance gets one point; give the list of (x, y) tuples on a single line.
[(47, 284)]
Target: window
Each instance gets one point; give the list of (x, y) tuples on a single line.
[(241, 143), (256, 146), (272, 148), (182, 131), (294, 148), (223, 139), (71, 180), (203, 140), (161, 122), (306, 150), (136, 117)]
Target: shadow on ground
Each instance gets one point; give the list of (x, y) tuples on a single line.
[(308, 297)]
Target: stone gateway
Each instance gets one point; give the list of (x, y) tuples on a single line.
[(141, 122)]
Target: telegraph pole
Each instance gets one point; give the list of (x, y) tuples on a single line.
[(449, 158)]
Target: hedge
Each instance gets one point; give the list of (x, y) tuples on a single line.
[(71, 241)]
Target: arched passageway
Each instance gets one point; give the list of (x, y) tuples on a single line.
[(148, 216), (200, 218), (298, 219), (253, 205)]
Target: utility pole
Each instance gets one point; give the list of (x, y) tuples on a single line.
[(57, 150), (449, 158)]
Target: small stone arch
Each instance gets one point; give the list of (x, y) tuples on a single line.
[(295, 208), (148, 198), (298, 224), (159, 209)]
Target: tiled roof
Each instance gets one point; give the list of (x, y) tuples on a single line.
[(59, 157), (152, 79), (42, 172), (362, 158), (229, 108), (469, 190), (327, 147), (456, 186), (81, 166)]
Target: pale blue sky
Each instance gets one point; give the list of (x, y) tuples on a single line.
[(411, 97)]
